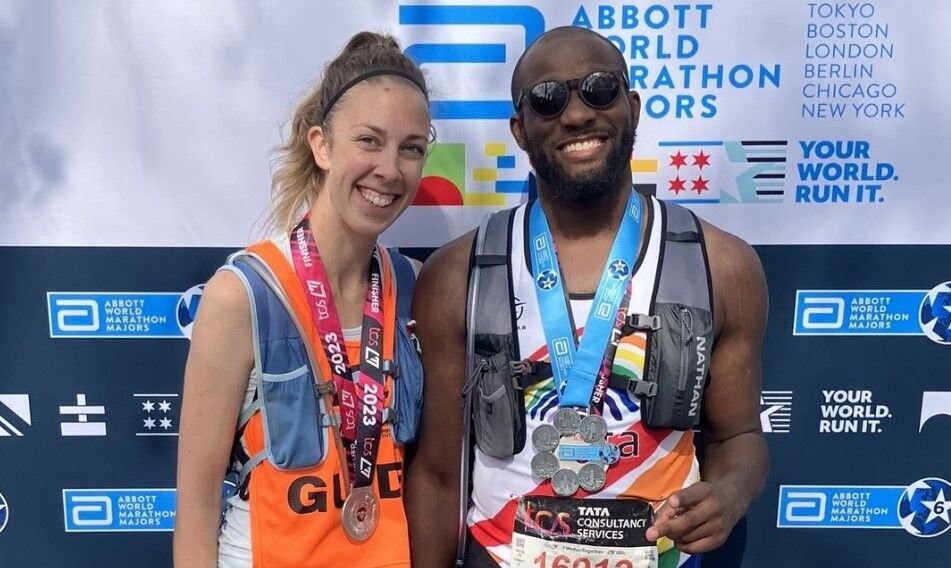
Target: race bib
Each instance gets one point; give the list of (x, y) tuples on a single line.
[(552, 532)]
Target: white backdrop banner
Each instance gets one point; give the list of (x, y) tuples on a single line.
[(151, 124)]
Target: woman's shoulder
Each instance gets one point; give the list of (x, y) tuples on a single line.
[(224, 294)]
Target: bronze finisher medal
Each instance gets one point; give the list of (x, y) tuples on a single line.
[(361, 514)]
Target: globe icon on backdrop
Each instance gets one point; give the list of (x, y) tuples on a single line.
[(187, 308), (934, 315), (4, 512), (923, 507)]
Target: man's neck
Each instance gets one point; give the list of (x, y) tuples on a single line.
[(571, 220)]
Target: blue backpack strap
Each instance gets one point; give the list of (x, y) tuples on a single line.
[(405, 274)]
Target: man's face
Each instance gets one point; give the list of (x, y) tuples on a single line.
[(582, 153)]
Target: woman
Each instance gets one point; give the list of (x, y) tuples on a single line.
[(277, 343)]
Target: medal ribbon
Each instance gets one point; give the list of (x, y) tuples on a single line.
[(576, 366), (607, 362), (360, 393)]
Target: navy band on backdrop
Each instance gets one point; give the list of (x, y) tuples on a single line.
[(136, 157)]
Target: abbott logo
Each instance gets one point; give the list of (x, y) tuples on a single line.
[(603, 311), (823, 313), (934, 404), (73, 315), (804, 507), (462, 47), (118, 510), (89, 511), (561, 346)]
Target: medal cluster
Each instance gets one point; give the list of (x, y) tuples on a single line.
[(573, 452)]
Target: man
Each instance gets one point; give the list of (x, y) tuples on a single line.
[(578, 127)]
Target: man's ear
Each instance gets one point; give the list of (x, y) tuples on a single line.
[(634, 100), (518, 129), (319, 146)]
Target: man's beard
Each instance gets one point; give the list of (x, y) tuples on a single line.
[(590, 185)]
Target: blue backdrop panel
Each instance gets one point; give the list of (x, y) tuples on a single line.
[(98, 500)]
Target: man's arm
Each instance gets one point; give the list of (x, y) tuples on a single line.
[(699, 518), (432, 476)]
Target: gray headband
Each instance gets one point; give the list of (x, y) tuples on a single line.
[(363, 77)]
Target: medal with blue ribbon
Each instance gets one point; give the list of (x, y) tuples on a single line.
[(576, 364)]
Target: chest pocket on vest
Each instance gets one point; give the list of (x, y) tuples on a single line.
[(289, 407), (498, 407), (678, 363)]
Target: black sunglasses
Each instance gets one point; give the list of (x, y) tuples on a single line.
[(598, 90)]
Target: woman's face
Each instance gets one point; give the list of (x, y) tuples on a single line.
[(374, 155)]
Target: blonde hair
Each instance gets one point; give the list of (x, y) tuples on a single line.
[(297, 178)]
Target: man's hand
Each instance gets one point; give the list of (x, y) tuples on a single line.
[(698, 518)]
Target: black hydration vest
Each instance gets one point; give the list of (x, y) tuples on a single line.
[(679, 340)]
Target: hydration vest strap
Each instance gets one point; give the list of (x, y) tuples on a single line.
[(405, 276), (638, 387), (490, 259), (404, 273), (640, 322), (249, 465), (489, 312), (329, 420), (527, 373), (248, 412)]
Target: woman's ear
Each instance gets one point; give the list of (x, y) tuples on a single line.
[(319, 146)]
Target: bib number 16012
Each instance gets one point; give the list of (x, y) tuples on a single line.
[(543, 560)]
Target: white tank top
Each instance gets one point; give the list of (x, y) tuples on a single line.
[(654, 462)]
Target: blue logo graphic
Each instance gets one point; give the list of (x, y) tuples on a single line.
[(858, 312), (4, 512), (920, 508), (923, 508), (547, 279), (619, 269), (527, 17), (935, 314), (119, 510), (122, 314), (838, 507)]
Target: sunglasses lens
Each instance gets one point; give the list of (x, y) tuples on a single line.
[(600, 89), (548, 98)]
